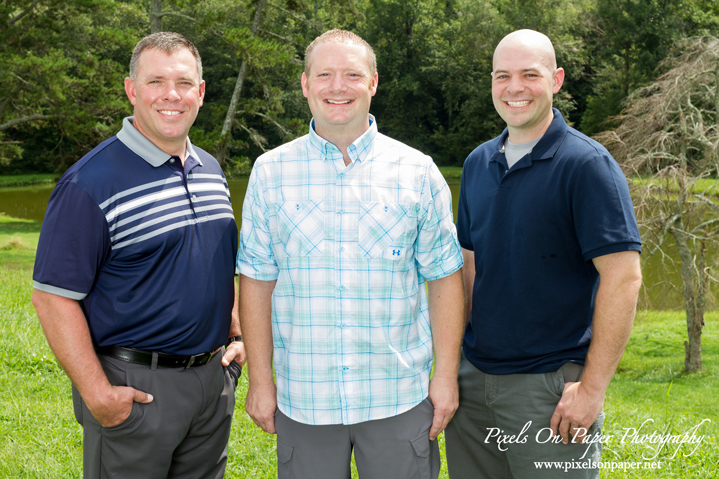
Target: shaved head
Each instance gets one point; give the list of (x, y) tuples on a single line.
[(536, 42), (525, 78)]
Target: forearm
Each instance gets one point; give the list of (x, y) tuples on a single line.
[(447, 320), (615, 306), (68, 335), (235, 329), (256, 323), (468, 275)]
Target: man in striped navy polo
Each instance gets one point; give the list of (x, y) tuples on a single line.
[(134, 283), (340, 230)]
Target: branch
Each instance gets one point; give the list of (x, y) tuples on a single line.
[(180, 15), (294, 15), (284, 39), (26, 119), (19, 17)]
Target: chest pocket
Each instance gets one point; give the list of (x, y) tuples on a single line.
[(301, 227), (387, 230)]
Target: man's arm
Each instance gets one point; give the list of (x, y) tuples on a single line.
[(620, 278), (468, 275), (68, 335), (236, 349), (446, 315), (256, 322)]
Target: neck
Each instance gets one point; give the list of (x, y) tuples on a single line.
[(520, 135), (341, 136)]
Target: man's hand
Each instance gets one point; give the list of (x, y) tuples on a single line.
[(235, 351), (114, 407), (576, 412), (444, 394), (260, 404)]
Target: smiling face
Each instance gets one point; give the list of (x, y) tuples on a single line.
[(167, 94), (523, 82), (339, 86)]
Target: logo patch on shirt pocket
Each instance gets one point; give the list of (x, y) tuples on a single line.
[(386, 230), (301, 227)]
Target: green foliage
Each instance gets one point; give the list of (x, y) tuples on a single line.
[(62, 83)]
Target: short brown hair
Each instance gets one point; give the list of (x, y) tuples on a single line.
[(168, 42), (342, 36)]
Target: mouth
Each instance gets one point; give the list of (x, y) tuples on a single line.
[(518, 104), (338, 102), (169, 112)]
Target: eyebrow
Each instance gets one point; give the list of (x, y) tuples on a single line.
[(524, 70)]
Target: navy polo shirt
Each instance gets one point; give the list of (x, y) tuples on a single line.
[(534, 230), (146, 245)]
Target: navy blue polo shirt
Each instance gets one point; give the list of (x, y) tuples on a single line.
[(534, 230), (146, 245)]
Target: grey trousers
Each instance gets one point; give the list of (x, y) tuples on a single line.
[(182, 434), (493, 408), (393, 448)]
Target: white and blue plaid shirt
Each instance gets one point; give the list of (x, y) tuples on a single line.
[(350, 248)]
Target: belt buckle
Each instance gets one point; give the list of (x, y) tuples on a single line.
[(191, 361)]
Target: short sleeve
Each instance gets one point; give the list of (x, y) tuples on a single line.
[(255, 258), (437, 250), (602, 209), (74, 243)]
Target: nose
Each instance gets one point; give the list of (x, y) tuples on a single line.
[(515, 85), (338, 84), (171, 93)]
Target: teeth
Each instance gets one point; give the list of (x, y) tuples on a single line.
[(168, 112), (518, 103), (344, 102)]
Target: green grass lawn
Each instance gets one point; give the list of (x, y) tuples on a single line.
[(42, 440)]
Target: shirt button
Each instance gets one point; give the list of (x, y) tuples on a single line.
[(341, 288), (172, 160), (506, 171), (342, 248), (194, 198), (342, 212)]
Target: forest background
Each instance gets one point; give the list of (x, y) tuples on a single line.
[(642, 77), (62, 65)]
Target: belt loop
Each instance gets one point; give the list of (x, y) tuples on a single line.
[(153, 364)]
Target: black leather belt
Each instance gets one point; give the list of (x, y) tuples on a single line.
[(139, 356)]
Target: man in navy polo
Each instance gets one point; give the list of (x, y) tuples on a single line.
[(134, 283), (551, 272)]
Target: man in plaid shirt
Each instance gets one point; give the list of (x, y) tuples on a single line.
[(340, 230)]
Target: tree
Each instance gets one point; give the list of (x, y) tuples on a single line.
[(668, 138), (61, 68)]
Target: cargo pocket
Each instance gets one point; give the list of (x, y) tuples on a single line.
[(284, 459), (386, 230), (421, 446), (301, 227)]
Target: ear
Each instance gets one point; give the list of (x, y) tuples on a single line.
[(130, 90), (305, 85), (373, 85), (202, 91), (558, 80)]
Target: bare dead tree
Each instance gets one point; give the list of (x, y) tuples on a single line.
[(667, 140)]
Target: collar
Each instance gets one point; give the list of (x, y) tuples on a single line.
[(358, 150), (547, 146), (144, 148)]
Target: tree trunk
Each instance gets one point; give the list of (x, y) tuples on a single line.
[(716, 92), (226, 134), (155, 16)]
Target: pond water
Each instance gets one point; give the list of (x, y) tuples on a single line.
[(661, 275)]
